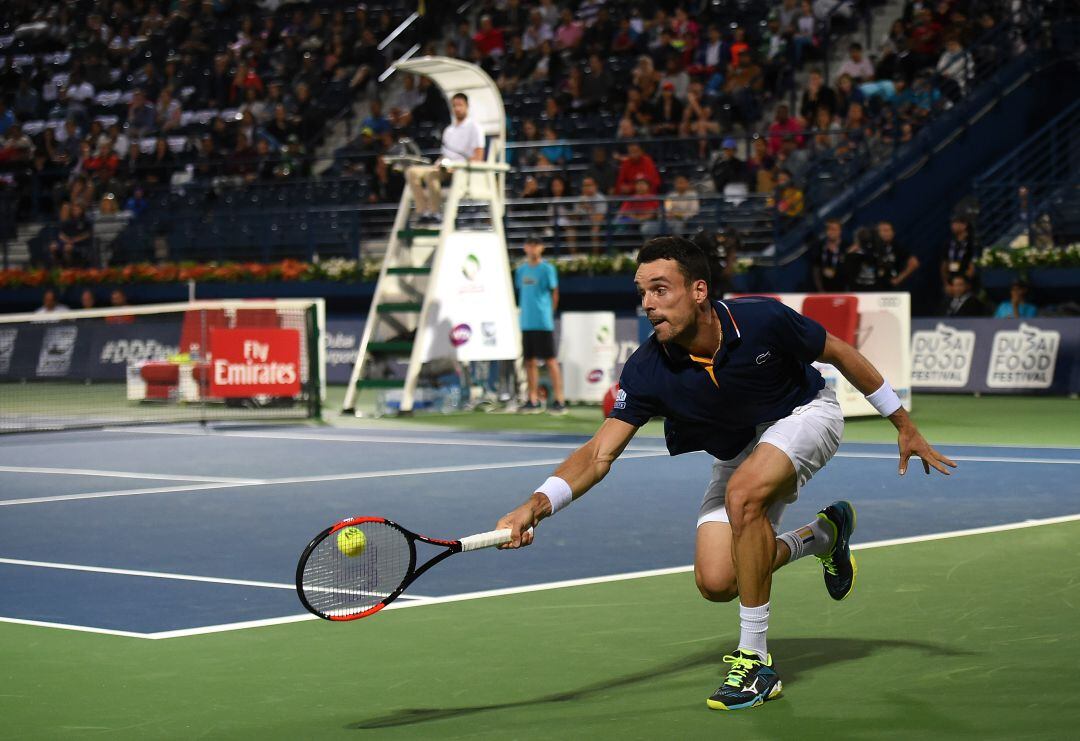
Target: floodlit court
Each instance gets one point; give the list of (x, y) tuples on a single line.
[(147, 588)]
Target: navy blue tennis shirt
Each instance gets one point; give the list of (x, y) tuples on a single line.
[(760, 373)]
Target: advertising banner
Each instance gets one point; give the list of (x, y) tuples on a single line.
[(473, 316), (588, 350), (1006, 356), (254, 362), (878, 325)]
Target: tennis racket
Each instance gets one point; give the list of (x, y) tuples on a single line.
[(337, 586)]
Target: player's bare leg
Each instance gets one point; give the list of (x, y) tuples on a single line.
[(714, 561), (759, 481), (763, 478)]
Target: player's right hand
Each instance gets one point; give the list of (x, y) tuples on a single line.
[(520, 521)]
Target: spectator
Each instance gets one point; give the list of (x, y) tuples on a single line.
[(7, 117), (727, 168), (570, 32), (590, 212), (489, 40), (537, 284), (960, 252), (710, 55), (17, 146), (137, 203), (555, 152), (603, 170), (560, 214), (789, 199), (681, 206), (817, 96), (536, 33), (167, 112), (516, 66), (667, 113), (783, 126), (860, 262), (640, 209), (1017, 306), (118, 299), (76, 233), (141, 116), (159, 167), (960, 301), (637, 166), (827, 266), (857, 66), (956, 67), (86, 299), (895, 263), (805, 37), (50, 304)]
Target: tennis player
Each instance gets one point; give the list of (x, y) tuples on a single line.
[(734, 378)]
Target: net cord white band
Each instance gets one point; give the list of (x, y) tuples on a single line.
[(557, 491), (884, 400)]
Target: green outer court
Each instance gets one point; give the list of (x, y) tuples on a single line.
[(963, 637)]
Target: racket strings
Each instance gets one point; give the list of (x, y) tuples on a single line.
[(339, 585)]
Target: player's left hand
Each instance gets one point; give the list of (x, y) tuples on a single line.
[(911, 442)]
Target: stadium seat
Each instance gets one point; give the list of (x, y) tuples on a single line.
[(839, 314)]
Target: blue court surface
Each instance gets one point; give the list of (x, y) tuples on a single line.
[(160, 531)]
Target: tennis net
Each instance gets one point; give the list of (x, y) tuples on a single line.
[(181, 362)]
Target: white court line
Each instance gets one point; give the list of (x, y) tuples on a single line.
[(302, 480), (968, 458), (423, 601), (165, 575), (378, 438), (78, 628), (126, 474)]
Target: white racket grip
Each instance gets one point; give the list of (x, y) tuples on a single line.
[(486, 540)]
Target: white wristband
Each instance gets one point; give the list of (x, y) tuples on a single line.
[(558, 493), (884, 400)]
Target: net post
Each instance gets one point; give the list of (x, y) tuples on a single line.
[(314, 392)]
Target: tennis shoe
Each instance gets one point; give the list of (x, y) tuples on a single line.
[(750, 682), (530, 407), (557, 408), (838, 564)]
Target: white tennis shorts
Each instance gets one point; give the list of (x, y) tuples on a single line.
[(809, 436)]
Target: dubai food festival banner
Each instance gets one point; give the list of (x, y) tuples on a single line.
[(998, 356), (473, 316)]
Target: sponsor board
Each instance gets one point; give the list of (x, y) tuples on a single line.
[(57, 349), (7, 349), (997, 355), (253, 361), (1023, 358), (942, 356)]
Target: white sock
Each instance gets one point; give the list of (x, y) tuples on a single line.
[(812, 539), (754, 624)]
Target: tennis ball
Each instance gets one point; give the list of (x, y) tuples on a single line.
[(351, 541)]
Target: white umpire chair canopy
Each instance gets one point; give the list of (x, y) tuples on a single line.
[(454, 76)]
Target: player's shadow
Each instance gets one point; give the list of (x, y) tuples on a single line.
[(796, 657)]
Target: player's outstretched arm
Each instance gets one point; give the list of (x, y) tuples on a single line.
[(865, 377), (583, 470)]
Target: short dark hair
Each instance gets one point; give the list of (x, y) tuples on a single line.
[(691, 259), (463, 96)]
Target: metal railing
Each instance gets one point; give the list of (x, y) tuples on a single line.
[(1016, 195), (567, 225)]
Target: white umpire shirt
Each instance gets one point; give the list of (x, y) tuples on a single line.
[(461, 139)]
